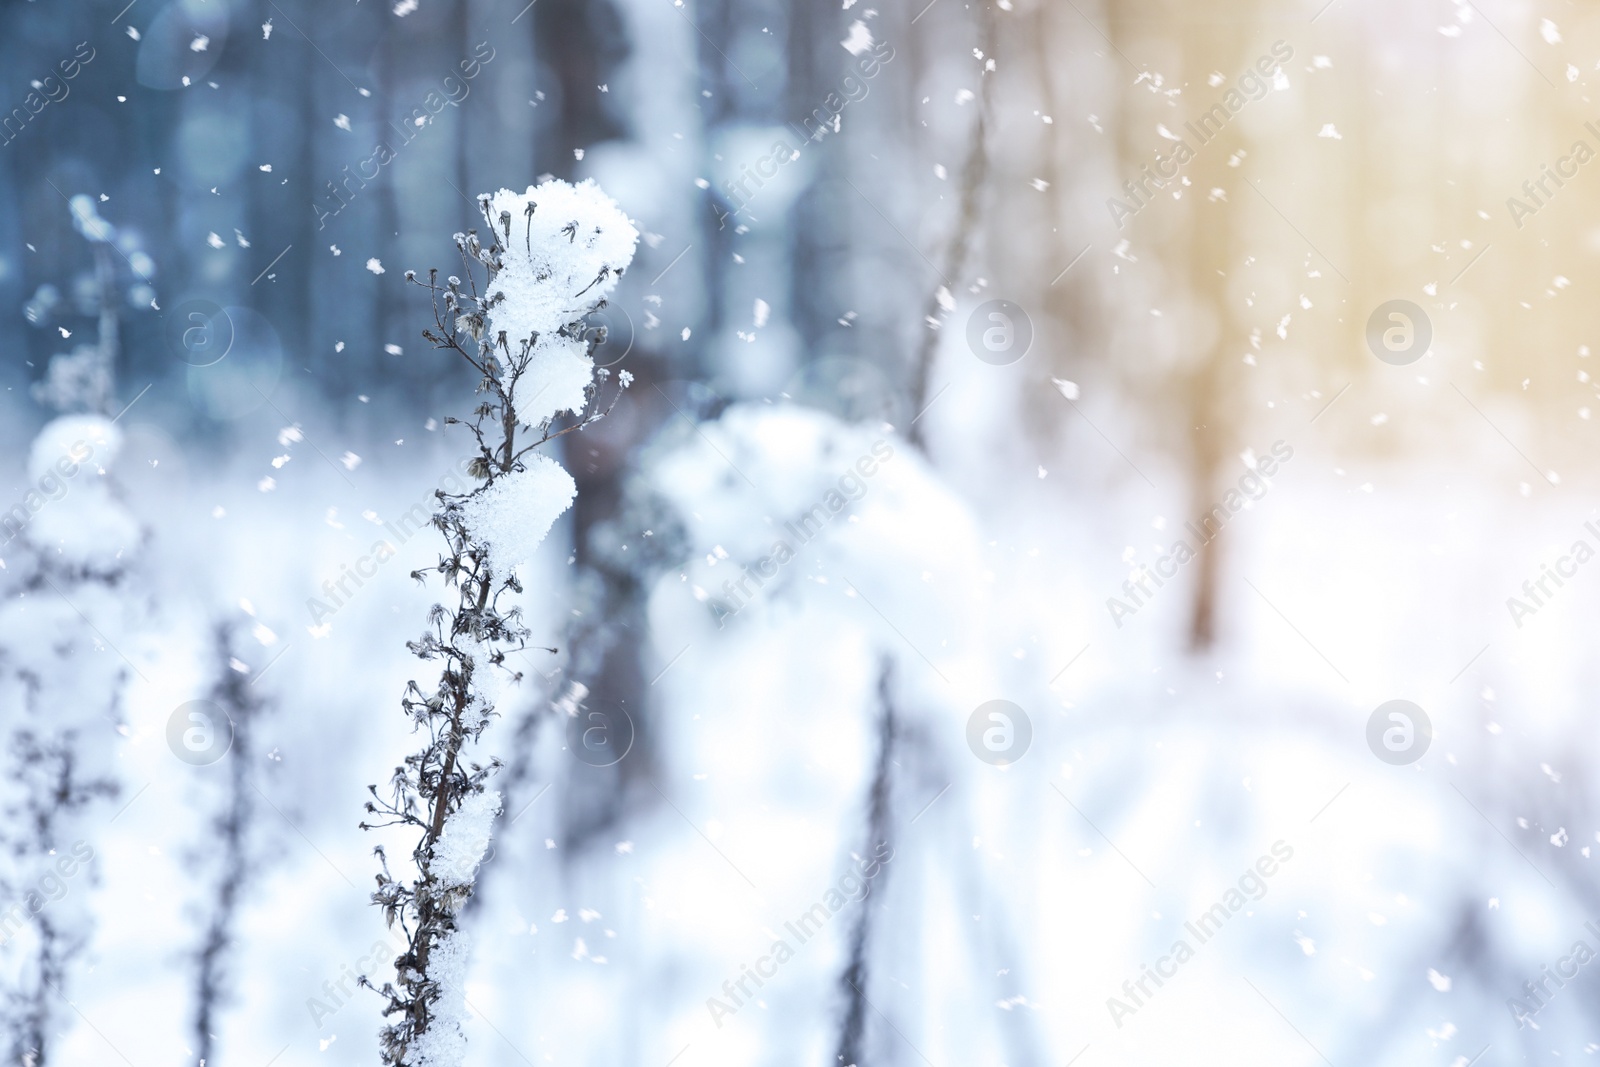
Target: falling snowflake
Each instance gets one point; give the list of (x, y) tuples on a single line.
[(859, 40)]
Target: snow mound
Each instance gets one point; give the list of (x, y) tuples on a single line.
[(72, 513), (512, 516), (461, 846), (565, 247), (60, 436), (812, 479), (787, 513), (556, 380)]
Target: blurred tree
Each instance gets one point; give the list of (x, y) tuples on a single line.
[(1196, 232)]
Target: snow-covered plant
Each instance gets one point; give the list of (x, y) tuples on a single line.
[(84, 379), (552, 255), (71, 515), (228, 844), (776, 578), (68, 545)]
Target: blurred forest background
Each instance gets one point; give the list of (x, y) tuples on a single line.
[(785, 311)]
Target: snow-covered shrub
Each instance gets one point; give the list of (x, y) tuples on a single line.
[(807, 727), (227, 861), (69, 544), (554, 252)]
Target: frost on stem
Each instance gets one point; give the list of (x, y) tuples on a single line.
[(548, 258)]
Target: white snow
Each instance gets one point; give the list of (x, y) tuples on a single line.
[(461, 846), (559, 262), (860, 38), (444, 1044), (81, 379), (77, 519), (87, 221), (514, 514), (1068, 389), (555, 381)]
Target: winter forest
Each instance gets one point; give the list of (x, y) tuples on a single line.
[(683, 533)]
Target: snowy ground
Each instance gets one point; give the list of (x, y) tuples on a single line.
[(1020, 899)]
